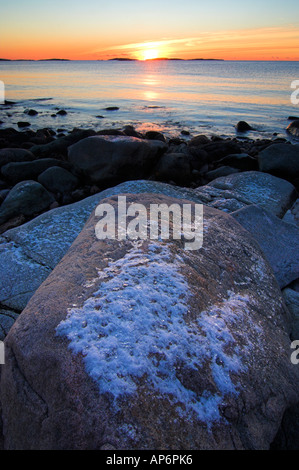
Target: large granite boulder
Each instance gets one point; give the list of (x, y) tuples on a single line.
[(280, 159), (145, 345), (115, 158), (30, 252), (59, 146), (278, 240)]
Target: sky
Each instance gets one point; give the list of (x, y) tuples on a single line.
[(101, 29)]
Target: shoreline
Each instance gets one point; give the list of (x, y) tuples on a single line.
[(187, 160)]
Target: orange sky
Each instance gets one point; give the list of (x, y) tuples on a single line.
[(94, 29)]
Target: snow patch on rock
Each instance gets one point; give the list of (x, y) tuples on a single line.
[(136, 326)]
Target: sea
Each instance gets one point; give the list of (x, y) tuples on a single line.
[(199, 96)]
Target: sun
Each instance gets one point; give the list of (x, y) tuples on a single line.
[(149, 54)]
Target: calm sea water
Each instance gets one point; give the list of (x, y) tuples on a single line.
[(207, 97)]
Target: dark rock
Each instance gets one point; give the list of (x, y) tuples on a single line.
[(20, 171), (131, 132), (27, 198), (58, 180), (23, 124), (31, 112), (183, 132), (206, 388), (198, 140), (60, 146), (154, 135), (293, 118), (242, 161), (293, 128), (113, 159), (221, 171), (110, 132), (100, 117), (287, 437), (280, 159), (10, 155), (3, 194), (291, 298), (243, 126), (278, 240), (111, 108), (62, 112), (173, 167)]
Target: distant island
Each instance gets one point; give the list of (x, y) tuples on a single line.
[(121, 59), (156, 59), (46, 60)]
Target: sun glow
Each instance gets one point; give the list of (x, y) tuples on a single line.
[(149, 54)]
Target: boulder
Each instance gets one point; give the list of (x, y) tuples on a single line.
[(31, 251), (242, 161), (221, 171), (9, 155), (60, 146), (293, 128), (34, 249), (243, 126), (292, 215), (232, 192), (58, 180), (278, 240), (280, 159), (27, 198), (115, 158), (21, 171), (173, 167), (291, 298), (145, 345), (154, 135)]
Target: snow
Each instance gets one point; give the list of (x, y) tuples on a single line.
[(135, 326)]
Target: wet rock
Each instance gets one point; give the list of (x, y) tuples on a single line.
[(23, 124), (198, 140), (60, 146), (173, 167), (221, 171), (21, 171), (242, 161), (154, 135), (280, 159), (108, 158), (27, 198), (112, 108), (293, 128), (31, 112), (62, 112), (58, 180), (243, 126), (9, 155), (231, 322)]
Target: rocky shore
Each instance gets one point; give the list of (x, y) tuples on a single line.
[(240, 390)]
